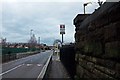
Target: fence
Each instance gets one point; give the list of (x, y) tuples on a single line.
[(67, 57), (15, 53)]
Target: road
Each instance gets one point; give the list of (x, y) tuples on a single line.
[(28, 67)]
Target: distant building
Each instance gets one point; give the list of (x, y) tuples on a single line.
[(32, 42), (3, 41)]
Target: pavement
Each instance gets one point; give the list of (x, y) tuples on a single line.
[(27, 67), (57, 70)]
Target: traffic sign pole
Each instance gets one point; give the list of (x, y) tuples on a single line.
[(62, 38), (62, 30)]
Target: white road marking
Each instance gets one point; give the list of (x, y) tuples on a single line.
[(42, 73), (39, 64), (29, 64), (11, 70)]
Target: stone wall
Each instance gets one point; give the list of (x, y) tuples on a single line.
[(97, 43)]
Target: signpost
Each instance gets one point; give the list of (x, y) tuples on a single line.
[(62, 30)]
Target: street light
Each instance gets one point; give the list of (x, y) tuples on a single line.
[(85, 4)]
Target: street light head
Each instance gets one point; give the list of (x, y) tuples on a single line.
[(85, 4)]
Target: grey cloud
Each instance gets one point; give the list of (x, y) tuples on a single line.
[(43, 18)]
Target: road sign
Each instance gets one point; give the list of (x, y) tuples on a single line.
[(62, 29)]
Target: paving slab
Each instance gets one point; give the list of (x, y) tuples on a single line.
[(57, 69)]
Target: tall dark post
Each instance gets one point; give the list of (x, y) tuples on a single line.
[(84, 9), (85, 4), (62, 38), (62, 30)]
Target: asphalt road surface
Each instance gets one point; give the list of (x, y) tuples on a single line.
[(28, 67)]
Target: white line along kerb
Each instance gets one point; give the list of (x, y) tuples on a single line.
[(42, 73)]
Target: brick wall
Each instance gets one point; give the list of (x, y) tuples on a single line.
[(97, 43)]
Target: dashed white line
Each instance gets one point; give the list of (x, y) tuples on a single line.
[(11, 70), (39, 64), (29, 64)]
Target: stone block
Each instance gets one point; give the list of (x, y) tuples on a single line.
[(112, 50), (80, 71), (105, 70), (93, 49), (91, 59), (117, 70), (117, 25), (88, 74), (90, 66), (82, 56), (99, 34), (102, 19), (80, 45), (114, 13), (91, 26), (106, 63), (100, 74), (77, 57), (80, 36), (91, 36), (88, 48), (112, 32), (82, 62)]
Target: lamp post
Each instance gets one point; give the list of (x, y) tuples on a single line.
[(85, 4)]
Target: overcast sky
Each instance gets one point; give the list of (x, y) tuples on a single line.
[(43, 16)]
